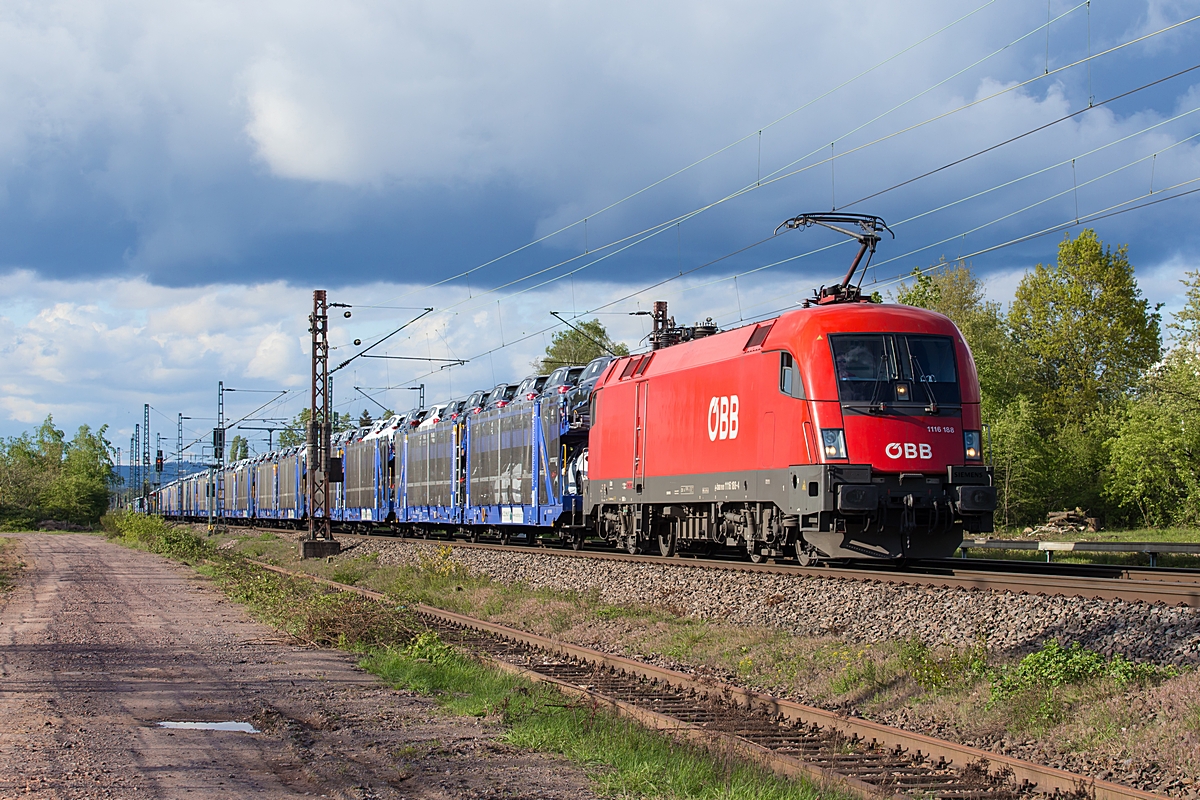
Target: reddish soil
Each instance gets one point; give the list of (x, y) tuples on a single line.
[(98, 644)]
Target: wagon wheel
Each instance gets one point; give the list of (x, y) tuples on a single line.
[(666, 542), (473, 533)]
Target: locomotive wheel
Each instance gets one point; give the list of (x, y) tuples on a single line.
[(633, 546), (755, 553), (666, 544), (577, 541), (473, 534), (804, 554)]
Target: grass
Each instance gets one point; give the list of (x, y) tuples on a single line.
[(621, 758), (9, 564), (898, 681)]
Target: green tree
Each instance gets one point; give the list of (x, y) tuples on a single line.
[(44, 476), (1087, 330), (79, 493), (296, 432), (1154, 455), (578, 346), (364, 419), (239, 448), (1021, 461)]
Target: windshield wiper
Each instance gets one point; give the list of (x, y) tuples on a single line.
[(918, 371), (875, 394)]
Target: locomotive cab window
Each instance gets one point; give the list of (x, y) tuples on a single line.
[(899, 369), (929, 361), (789, 377)]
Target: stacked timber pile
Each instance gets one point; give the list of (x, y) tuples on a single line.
[(1065, 522)]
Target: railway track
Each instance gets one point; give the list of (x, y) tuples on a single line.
[(1158, 585), (870, 759)]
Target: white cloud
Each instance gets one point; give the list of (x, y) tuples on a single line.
[(95, 351)]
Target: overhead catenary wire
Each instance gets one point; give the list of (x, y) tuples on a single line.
[(1105, 213), (1102, 214), (654, 230), (1018, 137), (650, 232), (984, 192), (934, 171), (710, 156)]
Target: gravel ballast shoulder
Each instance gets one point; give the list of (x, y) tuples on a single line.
[(858, 611)]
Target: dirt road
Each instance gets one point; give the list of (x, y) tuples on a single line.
[(99, 644)]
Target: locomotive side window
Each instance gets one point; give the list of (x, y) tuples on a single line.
[(789, 377)]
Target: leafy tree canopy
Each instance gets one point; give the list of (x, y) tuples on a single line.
[(573, 347), (239, 448), (1089, 333), (296, 431), (44, 475), (954, 290)]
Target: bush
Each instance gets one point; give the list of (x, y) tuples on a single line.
[(939, 670), (156, 535), (1033, 687)]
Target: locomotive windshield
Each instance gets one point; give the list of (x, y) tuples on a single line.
[(895, 368)]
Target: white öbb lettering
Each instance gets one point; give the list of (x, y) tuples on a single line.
[(909, 450), (723, 418)]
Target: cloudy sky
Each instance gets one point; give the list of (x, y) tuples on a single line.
[(176, 178)]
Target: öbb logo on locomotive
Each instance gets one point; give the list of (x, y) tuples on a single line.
[(723, 418), (920, 450)]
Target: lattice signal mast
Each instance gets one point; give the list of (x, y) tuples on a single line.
[(320, 540), (144, 488)]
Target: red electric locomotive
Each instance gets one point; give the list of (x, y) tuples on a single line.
[(844, 430)]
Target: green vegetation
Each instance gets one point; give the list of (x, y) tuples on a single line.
[(239, 448), (1081, 407), (295, 432), (1039, 690), (1060, 694), (307, 611), (622, 758), (45, 476), (580, 346), (8, 565)]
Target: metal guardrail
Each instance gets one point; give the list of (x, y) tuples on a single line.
[(1152, 549)]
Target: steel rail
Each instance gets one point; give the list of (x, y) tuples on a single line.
[(1171, 588), (1046, 780)]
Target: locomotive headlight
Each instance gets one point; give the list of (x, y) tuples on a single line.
[(834, 441), (971, 442)]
